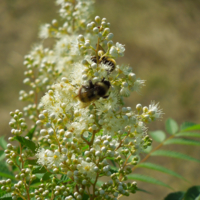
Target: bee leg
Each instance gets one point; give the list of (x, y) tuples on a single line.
[(105, 97)]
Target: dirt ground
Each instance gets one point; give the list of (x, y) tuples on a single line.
[(162, 40)]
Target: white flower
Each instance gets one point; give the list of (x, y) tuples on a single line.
[(88, 168), (78, 128), (138, 84), (44, 31), (54, 158), (113, 52), (76, 74), (125, 91), (154, 111), (42, 155), (63, 93), (117, 51), (120, 49)]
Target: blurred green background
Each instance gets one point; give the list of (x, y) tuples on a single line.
[(162, 40)]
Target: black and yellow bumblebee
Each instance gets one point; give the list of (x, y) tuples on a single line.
[(104, 59), (93, 92)]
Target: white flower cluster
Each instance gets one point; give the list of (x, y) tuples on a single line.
[(85, 131), (78, 117)]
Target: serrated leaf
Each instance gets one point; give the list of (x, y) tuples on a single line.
[(192, 193), (31, 132), (5, 195), (6, 198), (171, 126), (27, 143), (158, 136), (174, 154), (147, 179), (159, 168), (175, 196), (182, 141), (3, 143), (188, 134), (186, 125), (2, 193), (64, 179)]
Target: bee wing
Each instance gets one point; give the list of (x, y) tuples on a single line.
[(101, 48)]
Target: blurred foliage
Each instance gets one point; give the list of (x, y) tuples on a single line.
[(162, 41)]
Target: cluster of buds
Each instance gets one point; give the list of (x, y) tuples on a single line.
[(82, 131)]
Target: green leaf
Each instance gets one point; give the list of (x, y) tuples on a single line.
[(182, 141), (174, 155), (175, 196), (100, 183), (113, 169), (36, 182), (46, 176), (39, 175), (186, 125), (31, 132), (85, 147), (112, 161), (193, 128), (39, 169), (188, 134), (142, 190), (148, 149), (160, 168), (147, 179), (64, 179), (85, 197), (171, 126), (193, 193), (3, 143), (32, 161), (27, 143), (2, 155), (158, 136), (2, 193), (5, 172), (5, 195)]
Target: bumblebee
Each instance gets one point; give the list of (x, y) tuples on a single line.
[(93, 92), (104, 59)]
